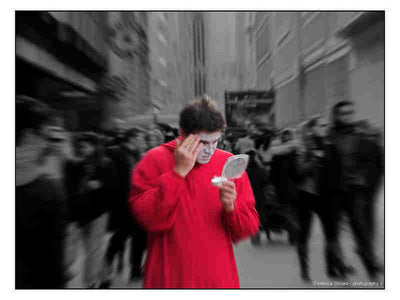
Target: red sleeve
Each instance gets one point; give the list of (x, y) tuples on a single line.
[(243, 221), (155, 196)]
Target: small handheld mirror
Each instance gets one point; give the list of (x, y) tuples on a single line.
[(234, 168)]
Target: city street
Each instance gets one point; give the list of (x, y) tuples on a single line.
[(300, 93), (274, 265)]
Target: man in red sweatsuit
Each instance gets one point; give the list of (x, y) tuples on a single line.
[(191, 224)]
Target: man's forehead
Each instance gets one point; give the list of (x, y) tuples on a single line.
[(209, 136)]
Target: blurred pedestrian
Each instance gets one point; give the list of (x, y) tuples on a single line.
[(191, 224), (122, 223), (226, 143), (41, 213), (349, 161), (154, 138), (247, 142), (310, 161), (117, 133), (60, 161), (94, 185), (374, 171), (58, 151), (283, 177), (170, 135), (258, 171)]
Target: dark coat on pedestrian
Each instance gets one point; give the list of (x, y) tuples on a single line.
[(259, 176), (121, 218), (284, 177), (352, 171), (88, 204), (310, 167), (40, 231), (353, 161)]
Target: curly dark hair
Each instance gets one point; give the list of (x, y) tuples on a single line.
[(201, 115)]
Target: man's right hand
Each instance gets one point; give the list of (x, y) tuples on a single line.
[(185, 153)]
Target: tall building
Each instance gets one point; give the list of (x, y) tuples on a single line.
[(127, 85), (179, 61), (60, 58), (222, 51), (171, 63), (191, 54), (365, 32), (93, 67), (315, 59)]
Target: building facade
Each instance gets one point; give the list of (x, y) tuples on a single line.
[(127, 85), (92, 67), (191, 54), (172, 64), (222, 52), (315, 59), (366, 35), (60, 58)]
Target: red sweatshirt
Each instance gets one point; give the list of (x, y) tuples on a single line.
[(189, 234)]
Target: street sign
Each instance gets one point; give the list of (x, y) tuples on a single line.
[(241, 106)]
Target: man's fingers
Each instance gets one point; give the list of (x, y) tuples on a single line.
[(228, 184), (226, 187), (196, 150), (192, 147), (187, 142), (227, 191), (227, 199)]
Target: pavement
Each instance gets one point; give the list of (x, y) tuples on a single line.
[(275, 265)]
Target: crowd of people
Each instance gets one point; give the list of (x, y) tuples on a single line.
[(330, 169), (82, 182), (72, 188)]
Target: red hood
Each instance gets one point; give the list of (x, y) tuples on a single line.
[(171, 145)]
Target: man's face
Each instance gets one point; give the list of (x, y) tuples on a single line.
[(345, 115), (210, 143), (321, 128)]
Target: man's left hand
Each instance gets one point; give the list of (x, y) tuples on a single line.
[(227, 195)]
